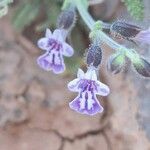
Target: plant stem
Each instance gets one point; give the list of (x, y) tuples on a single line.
[(85, 15), (90, 23)]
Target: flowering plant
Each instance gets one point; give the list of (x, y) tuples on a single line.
[(86, 84)]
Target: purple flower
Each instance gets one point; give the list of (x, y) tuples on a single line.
[(87, 85), (55, 46), (143, 36)]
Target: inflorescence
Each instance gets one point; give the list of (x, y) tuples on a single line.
[(87, 84)]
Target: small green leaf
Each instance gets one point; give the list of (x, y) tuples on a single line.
[(25, 14), (136, 8)]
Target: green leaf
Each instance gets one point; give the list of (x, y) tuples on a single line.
[(136, 8), (25, 14)]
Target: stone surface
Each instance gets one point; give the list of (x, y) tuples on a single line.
[(88, 143), (66, 122), (27, 139)]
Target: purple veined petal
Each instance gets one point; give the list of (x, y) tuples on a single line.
[(57, 69), (58, 65), (84, 105), (43, 43), (49, 61), (48, 33), (102, 89), (73, 85), (44, 62), (91, 74), (58, 35), (80, 74), (67, 50), (143, 36)]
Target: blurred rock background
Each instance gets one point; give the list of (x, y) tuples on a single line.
[(34, 112)]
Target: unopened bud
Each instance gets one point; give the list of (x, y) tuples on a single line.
[(142, 67), (124, 30), (67, 19), (94, 55), (116, 62)]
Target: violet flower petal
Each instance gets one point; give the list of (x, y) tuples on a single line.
[(52, 61), (102, 89), (48, 33), (57, 69), (44, 62), (43, 43), (57, 62), (90, 106), (143, 36), (58, 35), (73, 85), (67, 50), (80, 74), (91, 75)]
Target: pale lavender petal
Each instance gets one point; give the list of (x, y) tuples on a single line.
[(67, 50), (143, 36), (48, 33), (44, 62), (91, 74), (58, 35), (73, 85), (94, 76), (86, 105), (80, 73), (43, 43), (101, 89), (52, 61)]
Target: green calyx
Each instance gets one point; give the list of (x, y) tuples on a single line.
[(116, 62), (119, 59), (142, 67), (133, 56), (94, 33)]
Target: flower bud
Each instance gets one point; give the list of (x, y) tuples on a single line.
[(142, 67), (66, 19), (116, 62), (124, 30), (94, 55)]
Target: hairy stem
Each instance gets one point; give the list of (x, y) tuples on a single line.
[(84, 14), (90, 23)]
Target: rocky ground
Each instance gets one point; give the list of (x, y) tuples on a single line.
[(34, 112)]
